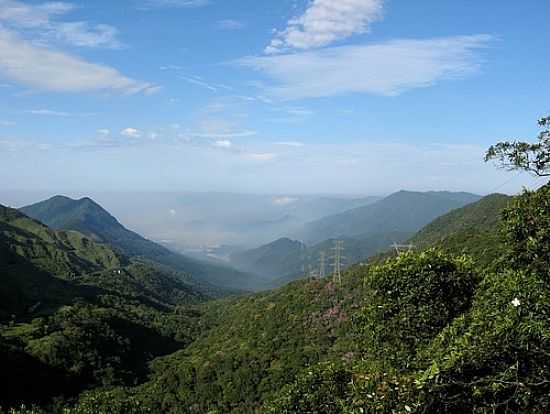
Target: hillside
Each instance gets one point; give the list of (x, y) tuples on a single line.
[(423, 332), (35, 259), (89, 218), (473, 229), (79, 314), (402, 212), (276, 259)]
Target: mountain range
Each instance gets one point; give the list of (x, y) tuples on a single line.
[(90, 219), (404, 212), (102, 330), (365, 231)]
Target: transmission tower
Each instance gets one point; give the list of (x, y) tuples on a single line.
[(338, 257), (303, 259), (402, 248), (322, 265)]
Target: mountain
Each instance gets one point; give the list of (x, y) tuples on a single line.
[(273, 260), (403, 212), (41, 265), (75, 313), (89, 218), (286, 260), (473, 229)]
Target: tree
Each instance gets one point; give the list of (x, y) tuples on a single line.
[(517, 155)]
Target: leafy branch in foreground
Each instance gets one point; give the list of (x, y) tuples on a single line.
[(518, 155)]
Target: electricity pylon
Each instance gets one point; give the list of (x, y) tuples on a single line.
[(338, 250), (303, 260), (322, 265)]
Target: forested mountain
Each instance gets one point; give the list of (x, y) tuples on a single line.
[(78, 314), (473, 229), (402, 212), (35, 257), (428, 331), (89, 218)]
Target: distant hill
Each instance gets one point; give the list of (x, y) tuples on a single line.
[(473, 229), (286, 260), (89, 218), (273, 260), (403, 212)]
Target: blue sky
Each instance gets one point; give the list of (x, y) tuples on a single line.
[(285, 96)]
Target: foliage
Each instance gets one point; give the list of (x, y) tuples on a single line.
[(473, 230), (410, 299), (527, 230), (524, 156)]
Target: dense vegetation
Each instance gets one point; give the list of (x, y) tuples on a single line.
[(76, 314), (430, 331)]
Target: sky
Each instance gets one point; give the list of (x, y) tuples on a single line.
[(268, 96)]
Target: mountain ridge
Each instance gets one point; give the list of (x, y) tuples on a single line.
[(88, 217)]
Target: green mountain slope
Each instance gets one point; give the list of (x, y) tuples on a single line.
[(473, 229), (403, 212), (79, 314), (36, 259), (91, 219), (425, 332)]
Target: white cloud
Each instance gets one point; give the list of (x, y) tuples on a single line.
[(229, 134), (173, 212), (326, 21), (295, 144), (104, 132), (40, 21), (388, 68), (51, 70), (300, 112), (131, 133), (48, 112), (263, 157), (223, 143), (284, 201), (230, 24), (82, 35)]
